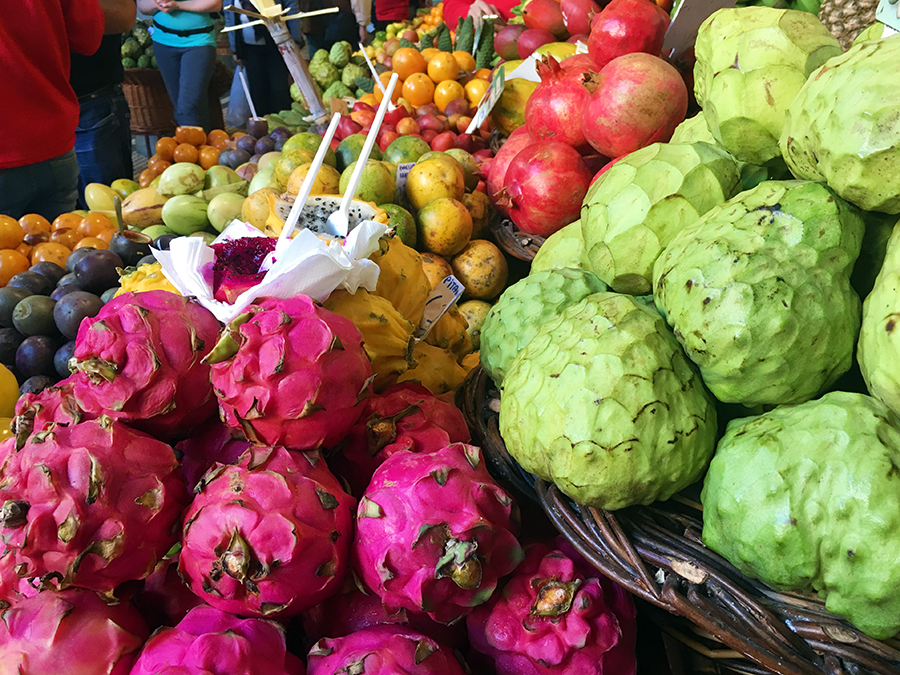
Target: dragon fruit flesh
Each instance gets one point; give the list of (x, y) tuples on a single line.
[(92, 505), (73, 632), (556, 615), (406, 416), (268, 536), (209, 641), (236, 266), (139, 361), (289, 372), (435, 532), (382, 650), (352, 609), (210, 443)]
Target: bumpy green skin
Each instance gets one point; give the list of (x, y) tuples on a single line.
[(563, 248), (879, 338), (632, 212), (692, 130), (516, 316), (805, 498), (349, 74), (758, 292), (603, 402), (841, 127), (751, 62), (873, 32), (340, 53), (325, 74)]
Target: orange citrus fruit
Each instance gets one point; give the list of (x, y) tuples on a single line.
[(407, 61), (146, 177), (475, 89), (429, 52), (66, 237), (11, 233), (11, 263), (465, 61), (209, 156), (216, 136), (483, 74), (398, 89), (446, 91), (33, 223), (65, 221), (92, 242), (157, 164), (190, 135), (106, 236), (50, 252), (418, 89), (165, 147), (93, 223), (186, 153), (443, 66)]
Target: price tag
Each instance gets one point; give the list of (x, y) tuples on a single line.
[(487, 102), (888, 13), (402, 172), (442, 298)]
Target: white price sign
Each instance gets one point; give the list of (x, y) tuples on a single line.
[(487, 102)]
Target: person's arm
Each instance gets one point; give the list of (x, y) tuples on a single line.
[(199, 6), (147, 7), (362, 10), (84, 25), (119, 15)]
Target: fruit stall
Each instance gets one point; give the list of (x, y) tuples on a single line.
[(563, 343)]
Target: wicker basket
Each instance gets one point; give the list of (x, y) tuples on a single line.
[(151, 108), (657, 553), (512, 240)]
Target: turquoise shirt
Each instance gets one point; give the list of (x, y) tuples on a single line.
[(180, 20)]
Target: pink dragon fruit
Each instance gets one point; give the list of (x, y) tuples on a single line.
[(555, 615), (139, 361), (12, 587), (210, 443), (165, 599), (53, 405), (237, 263), (209, 641), (90, 505), (352, 610), (289, 372), (435, 532), (268, 536), (382, 650), (73, 632), (406, 416)]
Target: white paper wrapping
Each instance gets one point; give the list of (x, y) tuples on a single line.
[(304, 265)]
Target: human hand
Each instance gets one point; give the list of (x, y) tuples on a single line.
[(479, 9), (165, 6), (363, 35)]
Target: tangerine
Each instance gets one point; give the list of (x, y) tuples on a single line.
[(217, 136), (65, 221), (418, 89), (465, 61), (187, 153), (446, 91), (33, 223), (11, 263), (11, 233), (475, 89), (146, 177), (443, 66), (106, 235), (165, 148), (398, 89), (24, 249), (92, 242), (483, 74), (94, 223), (50, 252), (67, 237), (209, 156), (407, 61), (158, 164), (429, 52), (190, 135)]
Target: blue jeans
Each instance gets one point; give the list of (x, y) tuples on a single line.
[(187, 72), (103, 140), (48, 188)]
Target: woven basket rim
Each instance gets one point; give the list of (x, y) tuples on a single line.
[(656, 553), (512, 240)]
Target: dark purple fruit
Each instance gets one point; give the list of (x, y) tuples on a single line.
[(67, 280), (36, 384), (9, 298), (257, 127), (246, 143), (279, 144), (77, 255), (109, 294), (35, 238), (35, 356), (97, 272), (225, 157), (239, 157), (72, 308), (264, 145), (10, 339), (34, 316), (279, 133), (64, 290), (130, 246), (34, 283), (146, 260), (61, 358), (162, 241), (49, 269)]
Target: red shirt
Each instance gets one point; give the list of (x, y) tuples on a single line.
[(41, 110), (453, 9), (391, 10)]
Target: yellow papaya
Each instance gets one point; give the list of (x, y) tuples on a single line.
[(509, 112), (146, 277), (451, 332), (436, 369), (402, 279)]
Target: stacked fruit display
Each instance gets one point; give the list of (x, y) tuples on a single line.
[(189, 144), (720, 275), (137, 47)]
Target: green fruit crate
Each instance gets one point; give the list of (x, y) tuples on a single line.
[(656, 552)]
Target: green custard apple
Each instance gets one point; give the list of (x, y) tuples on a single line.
[(604, 403), (804, 498), (751, 62), (758, 292), (632, 212), (563, 248), (842, 127)]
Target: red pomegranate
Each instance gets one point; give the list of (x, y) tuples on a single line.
[(545, 14), (518, 139), (635, 100), (578, 14), (553, 111), (626, 27)]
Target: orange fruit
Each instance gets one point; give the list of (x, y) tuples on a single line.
[(475, 89), (65, 221), (11, 233), (157, 164), (190, 135), (92, 242), (369, 99), (443, 66), (418, 89), (216, 136), (186, 153), (11, 263), (106, 235), (165, 147), (66, 237), (146, 177), (398, 89), (94, 223), (209, 156), (483, 74), (429, 52), (465, 61), (33, 223), (446, 91), (50, 252), (407, 61), (237, 134)]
